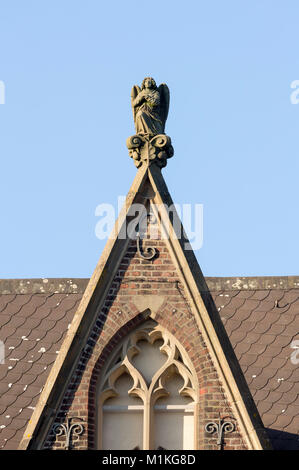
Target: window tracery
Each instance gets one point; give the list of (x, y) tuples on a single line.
[(148, 394)]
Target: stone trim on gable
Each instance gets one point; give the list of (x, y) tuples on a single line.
[(116, 295)]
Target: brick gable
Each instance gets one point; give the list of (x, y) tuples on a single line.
[(123, 292), (138, 278)]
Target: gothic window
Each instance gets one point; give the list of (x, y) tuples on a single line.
[(147, 396)]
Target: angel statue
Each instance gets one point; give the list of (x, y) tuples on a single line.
[(150, 145), (150, 106)]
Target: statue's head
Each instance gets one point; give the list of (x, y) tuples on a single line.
[(149, 82)]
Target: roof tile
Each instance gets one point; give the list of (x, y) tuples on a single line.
[(261, 324)]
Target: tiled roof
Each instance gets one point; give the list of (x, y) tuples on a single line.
[(32, 329), (261, 316), (262, 326)]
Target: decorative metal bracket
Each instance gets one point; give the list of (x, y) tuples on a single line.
[(150, 252), (68, 429), (220, 427)]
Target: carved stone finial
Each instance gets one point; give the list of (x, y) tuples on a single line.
[(150, 106), (148, 150)]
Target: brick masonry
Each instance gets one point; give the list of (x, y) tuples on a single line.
[(119, 316)]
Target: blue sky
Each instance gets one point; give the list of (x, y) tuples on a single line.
[(68, 68)]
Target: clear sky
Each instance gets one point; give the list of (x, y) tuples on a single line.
[(68, 67)]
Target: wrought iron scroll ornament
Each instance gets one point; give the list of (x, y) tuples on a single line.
[(220, 427), (69, 429), (150, 252)]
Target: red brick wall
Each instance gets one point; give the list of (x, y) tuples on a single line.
[(117, 318)]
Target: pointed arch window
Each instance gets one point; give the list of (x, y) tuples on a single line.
[(147, 397)]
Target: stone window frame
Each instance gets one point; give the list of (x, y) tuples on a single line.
[(120, 362)]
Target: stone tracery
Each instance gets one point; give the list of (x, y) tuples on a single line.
[(150, 379)]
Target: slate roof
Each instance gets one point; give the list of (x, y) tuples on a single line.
[(261, 316)]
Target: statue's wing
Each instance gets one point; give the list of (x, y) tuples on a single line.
[(164, 102), (135, 91)]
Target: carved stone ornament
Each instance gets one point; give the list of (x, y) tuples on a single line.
[(145, 150), (150, 106), (152, 379), (158, 385)]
